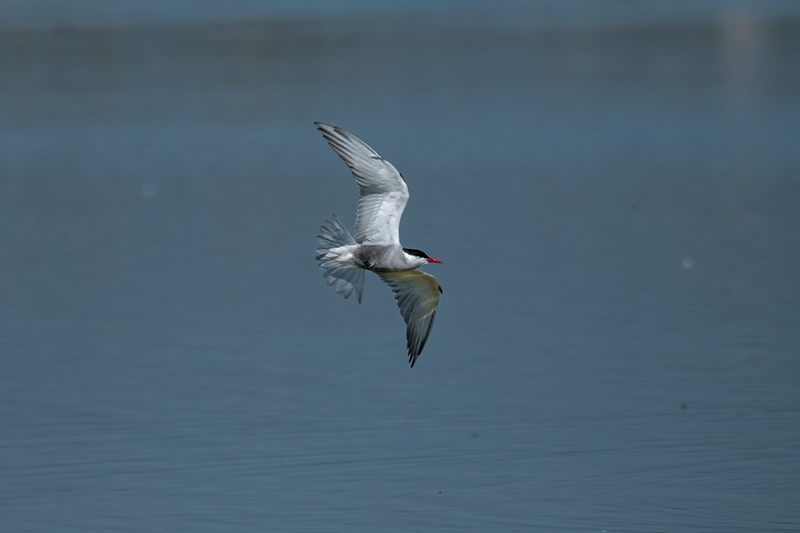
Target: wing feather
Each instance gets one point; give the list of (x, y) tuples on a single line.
[(383, 191), (417, 295)]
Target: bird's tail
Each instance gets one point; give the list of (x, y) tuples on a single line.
[(335, 259)]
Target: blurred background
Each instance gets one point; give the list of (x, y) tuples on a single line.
[(612, 187)]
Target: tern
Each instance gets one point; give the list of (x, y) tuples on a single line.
[(376, 246)]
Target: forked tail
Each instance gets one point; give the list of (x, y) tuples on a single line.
[(335, 259)]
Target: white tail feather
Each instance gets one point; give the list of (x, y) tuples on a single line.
[(335, 259)]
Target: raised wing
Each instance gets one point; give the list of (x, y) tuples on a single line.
[(417, 296), (384, 193)]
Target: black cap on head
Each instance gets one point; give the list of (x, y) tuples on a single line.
[(418, 253)]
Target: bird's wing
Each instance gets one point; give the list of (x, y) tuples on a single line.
[(417, 296), (384, 193)]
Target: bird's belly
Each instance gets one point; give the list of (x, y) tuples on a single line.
[(377, 257)]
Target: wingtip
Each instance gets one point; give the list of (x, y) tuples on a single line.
[(413, 355)]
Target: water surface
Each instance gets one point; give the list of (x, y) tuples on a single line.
[(614, 198)]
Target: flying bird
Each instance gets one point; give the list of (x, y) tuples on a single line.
[(376, 245)]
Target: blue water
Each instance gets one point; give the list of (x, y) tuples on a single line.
[(612, 190)]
